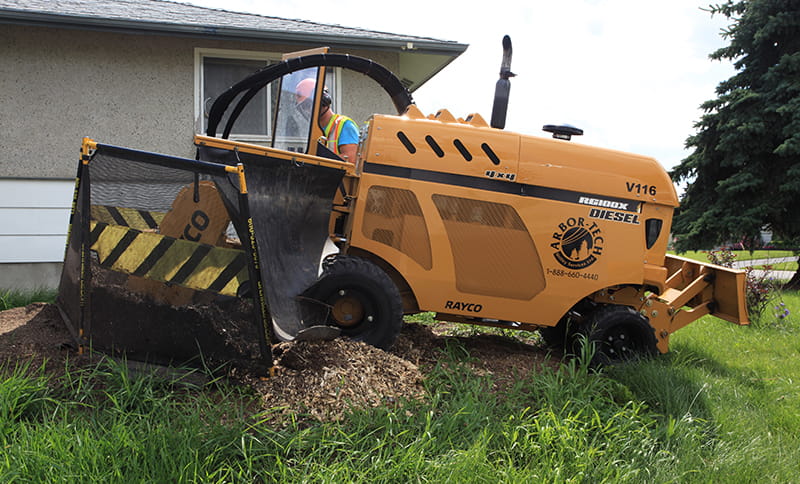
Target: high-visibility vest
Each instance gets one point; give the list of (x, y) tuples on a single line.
[(333, 130)]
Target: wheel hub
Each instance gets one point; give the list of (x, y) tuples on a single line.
[(347, 311), (619, 345)]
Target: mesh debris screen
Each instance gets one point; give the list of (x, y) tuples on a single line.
[(154, 269), (393, 217)]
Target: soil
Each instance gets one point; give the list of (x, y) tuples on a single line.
[(319, 378), (34, 334)]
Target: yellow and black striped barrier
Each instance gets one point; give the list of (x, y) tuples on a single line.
[(153, 256), (128, 217)]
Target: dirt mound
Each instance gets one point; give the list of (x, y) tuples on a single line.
[(34, 333), (318, 378)]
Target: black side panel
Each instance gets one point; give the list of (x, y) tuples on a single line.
[(71, 291)]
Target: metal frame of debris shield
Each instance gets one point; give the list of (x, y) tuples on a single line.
[(133, 191)]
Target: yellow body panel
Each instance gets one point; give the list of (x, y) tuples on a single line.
[(520, 268), (566, 165)]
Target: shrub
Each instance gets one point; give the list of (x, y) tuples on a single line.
[(760, 291), (722, 257)]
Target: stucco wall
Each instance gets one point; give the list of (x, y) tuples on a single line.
[(59, 85), (30, 277), (361, 97), (137, 91)]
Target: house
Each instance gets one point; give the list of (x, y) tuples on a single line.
[(142, 74)]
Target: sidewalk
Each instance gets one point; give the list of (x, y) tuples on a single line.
[(779, 275), (741, 264)]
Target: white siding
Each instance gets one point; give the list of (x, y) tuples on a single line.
[(34, 218)]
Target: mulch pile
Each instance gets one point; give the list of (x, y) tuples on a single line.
[(324, 378)]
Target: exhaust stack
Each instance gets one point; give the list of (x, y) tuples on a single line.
[(502, 88)]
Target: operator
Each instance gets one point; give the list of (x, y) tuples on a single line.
[(300, 116), (303, 93), (341, 132)]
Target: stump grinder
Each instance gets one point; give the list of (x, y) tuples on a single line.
[(217, 258)]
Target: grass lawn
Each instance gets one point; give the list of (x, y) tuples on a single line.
[(738, 387), (722, 406), (702, 255)]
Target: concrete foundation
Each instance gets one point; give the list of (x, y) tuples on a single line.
[(29, 276)]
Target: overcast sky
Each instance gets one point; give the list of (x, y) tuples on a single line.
[(631, 73)]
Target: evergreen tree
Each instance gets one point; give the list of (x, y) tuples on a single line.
[(744, 172)]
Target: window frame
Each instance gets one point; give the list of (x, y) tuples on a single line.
[(269, 57)]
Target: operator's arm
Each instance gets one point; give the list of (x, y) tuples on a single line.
[(348, 141), (348, 152)]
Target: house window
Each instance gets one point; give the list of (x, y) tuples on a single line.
[(217, 69)]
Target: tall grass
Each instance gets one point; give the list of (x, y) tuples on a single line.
[(105, 424), (721, 407)]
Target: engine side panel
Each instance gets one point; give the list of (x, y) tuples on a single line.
[(511, 237)]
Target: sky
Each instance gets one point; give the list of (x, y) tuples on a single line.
[(630, 73)]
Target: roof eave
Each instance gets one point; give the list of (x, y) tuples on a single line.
[(448, 51), (229, 33)]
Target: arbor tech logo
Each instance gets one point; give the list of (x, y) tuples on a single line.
[(577, 245)]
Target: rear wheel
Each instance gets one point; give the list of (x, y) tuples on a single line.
[(564, 335), (620, 334), (362, 301)]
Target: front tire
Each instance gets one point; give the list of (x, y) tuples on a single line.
[(620, 334), (362, 301)]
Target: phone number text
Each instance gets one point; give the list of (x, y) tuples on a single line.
[(572, 274)]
